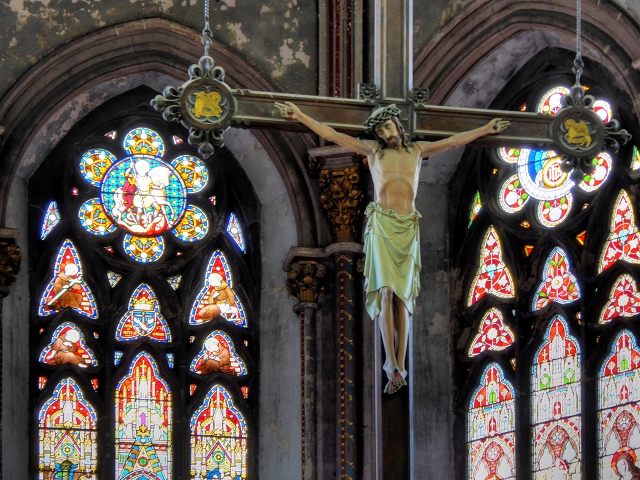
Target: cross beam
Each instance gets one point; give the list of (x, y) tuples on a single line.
[(256, 110)]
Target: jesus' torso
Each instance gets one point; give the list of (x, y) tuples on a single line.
[(395, 174)]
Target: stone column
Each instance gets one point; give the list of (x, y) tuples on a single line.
[(10, 258), (305, 280), (341, 184)]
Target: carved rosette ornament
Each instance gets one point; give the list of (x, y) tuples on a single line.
[(341, 199), (580, 134), (305, 280)]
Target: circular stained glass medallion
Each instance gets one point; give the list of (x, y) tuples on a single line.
[(552, 213), (602, 108), (94, 164), (143, 141), (94, 219), (193, 226), (595, 179), (550, 101), (193, 171), (143, 195), (143, 249), (512, 196), (541, 174)]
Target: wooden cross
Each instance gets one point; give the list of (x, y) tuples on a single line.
[(393, 78)]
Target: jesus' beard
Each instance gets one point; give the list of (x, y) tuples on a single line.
[(393, 142)]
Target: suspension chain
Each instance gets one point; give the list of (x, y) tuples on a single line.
[(578, 63), (207, 34)]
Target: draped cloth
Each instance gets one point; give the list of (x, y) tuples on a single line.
[(392, 249)]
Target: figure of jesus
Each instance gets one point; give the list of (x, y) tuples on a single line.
[(391, 238)]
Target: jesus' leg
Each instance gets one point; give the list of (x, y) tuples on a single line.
[(387, 331), (402, 318)]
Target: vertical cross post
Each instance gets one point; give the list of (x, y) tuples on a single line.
[(393, 51)]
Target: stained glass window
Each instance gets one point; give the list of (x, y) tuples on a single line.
[(218, 438), (67, 435), (571, 249), (475, 208), (217, 296), (492, 335), (623, 242), (558, 284), (51, 219), (491, 427), (143, 318), (619, 405), (67, 288), (68, 346), (114, 278), (143, 422), (635, 161), (125, 304), (218, 354), (493, 276), (175, 281), (235, 231), (624, 300), (555, 402)]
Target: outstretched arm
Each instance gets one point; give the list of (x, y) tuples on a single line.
[(495, 126), (291, 111)]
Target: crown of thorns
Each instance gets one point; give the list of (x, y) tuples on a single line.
[(381, 115)]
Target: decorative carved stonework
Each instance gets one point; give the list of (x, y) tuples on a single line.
[(305, 280), (419, 97), (368, 92), (10, 258), (342, 200)]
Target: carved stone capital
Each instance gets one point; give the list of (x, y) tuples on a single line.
[(10, 258), (306, 280), (341, 198)]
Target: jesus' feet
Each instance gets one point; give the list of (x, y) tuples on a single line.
[(396, 382)]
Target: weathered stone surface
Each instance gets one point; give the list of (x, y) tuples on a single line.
[(29, 30)]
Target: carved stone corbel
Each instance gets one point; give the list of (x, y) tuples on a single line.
[(10, 258), (305, 280)]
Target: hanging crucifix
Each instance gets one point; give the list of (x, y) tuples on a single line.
[(207, 106)]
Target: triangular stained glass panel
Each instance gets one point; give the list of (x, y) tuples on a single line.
[(143, 318), (218, 354), (67, 289), (623, 242), (624, 300), (559, 284), (114, 278), (216, 296), (175, 281), (51, 219), (493, 276), (68, 346), (235, 231), (493, 335)]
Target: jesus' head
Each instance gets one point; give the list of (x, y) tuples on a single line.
[(385, 125)]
